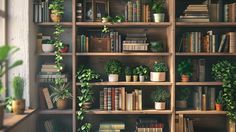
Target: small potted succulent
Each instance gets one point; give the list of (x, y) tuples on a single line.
[(185, 70), (143, 72), (61, 94), (159, 73), (159, 97), (48, 46), (57, 10), (157, 46), (113, 68), (18, 104), (135, 74), (158, 7), (128, 73), (65, 48), (182, 95), (219, 102)]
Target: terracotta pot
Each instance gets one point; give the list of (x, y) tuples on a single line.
[(56, 18), (113, 77), (219, 107), (18, 106), (128, 78), (182, 104), (62, 104), (160, 105), (1, 115), (185, 78), (65, 49), (87, 105), (141, 78), (158, 76), (135, 78)]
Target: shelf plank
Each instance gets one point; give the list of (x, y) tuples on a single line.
[(199, 83), (123, 54), (199, 112), (55, 112), (137, 112), (205, 54), (53, 54), (130, 84), (53, 24), (206, 24), (124, 24)]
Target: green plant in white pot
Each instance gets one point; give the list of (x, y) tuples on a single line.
[(159, 97), (128, 73), (135, 74), (182, 95), (18, 104), (158, 7), (113, 68), (48, 46), (143, 72), (159, 74)]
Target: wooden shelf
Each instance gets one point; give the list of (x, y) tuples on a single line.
[(199, 112), (206, 24), (205, 54), (123, 24), (66, 24), (199, 83), (130, 83), (53, 54), (123, 54), (133, 112), (56, 112)]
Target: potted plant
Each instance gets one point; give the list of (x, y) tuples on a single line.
[(135, 74), (156, 46), (185, 70), (48, 46), (159, 97), (182, 95), (57, 10), (65, 48), (142, 71), (128, 73), (158, 7), (113, 69), (18, 104), (219, 102), (5, 52), (159, 73), (61, 93)]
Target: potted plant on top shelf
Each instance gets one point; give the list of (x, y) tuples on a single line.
[(143, 72), (219, 102), (182, 95), (159, 73), (185, 70), (159, 97), (128, 73), (57, 10), (48, 46), (158, 7), (18, 104), (113, 69)]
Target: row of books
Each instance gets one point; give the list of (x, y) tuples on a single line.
[(83, 43), (111, 126), (149, 125), (133, 11), (119, 99), (51, 125), (199, 70), (135, 42), (188, 125), (41, 11), (210, 42), (116, 41)]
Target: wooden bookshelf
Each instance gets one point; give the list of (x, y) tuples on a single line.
[(55, 112), (123, 24), (123, 54), (199, 112), (199, 83), (53, 54), (205, 54), (66, 24), (205, 24), (131, 84)]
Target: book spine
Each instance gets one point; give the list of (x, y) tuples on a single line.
[(117, 99), (47, 98), (113, 99), (105, 90), (123, 100), (101, 100), (226, 13), (109, 99), (204, 102), (126, 13), (143, 13), (202, 70), (134, 12), (138, 3), (140, 104), (130, 11), (232, 41)]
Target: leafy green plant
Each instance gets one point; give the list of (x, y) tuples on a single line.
[(113, 67), (86, 74), (57, 7), (47, 41), (118, 19), (61, 91), (156, 46), (8, 104), (128, 71), (219, 99), (160, 95), (157, 6), (160, 67), (185, 68), (183, 93), (143, 70), (18, 87), (135, 71)]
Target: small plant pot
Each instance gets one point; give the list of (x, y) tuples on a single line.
[(48, 48), (135, 78), (62, 104), (18, 106), (128, 78), (141, 78), (219, 107), (157, 76), (113, 77), (185, 78), (104, 19), (65, 49), (87, 105), (181, 104), (160, 105), (159, 17), (56, 18), (1, 115), (156, 46)]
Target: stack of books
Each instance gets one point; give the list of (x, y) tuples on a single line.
[(230, 12), (111, 127), (149, 125), (79, 12), (195, 13), (133, 11), (41, 11), (135, 42), (119, 99)]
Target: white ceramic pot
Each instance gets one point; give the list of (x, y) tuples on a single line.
[(128, 78), (158, 76), (47, 48), (159, 17), (141, 78), (104, 19), (160, 105), (113, 77), (135, 78), (182, 104)]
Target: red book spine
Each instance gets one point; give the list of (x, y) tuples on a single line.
[(113, 99)]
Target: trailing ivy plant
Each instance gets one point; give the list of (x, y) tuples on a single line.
[(85, 77), (225, 71)]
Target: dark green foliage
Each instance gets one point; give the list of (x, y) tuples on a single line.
[(160, 95), (61, 91), (183, 93), (47, 41), (18, 87), (57, 7), (143, 70), (128, 70), (157, 6), (113, 67), (160, 67), (185, 68)]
